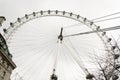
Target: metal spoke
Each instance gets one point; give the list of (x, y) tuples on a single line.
[(100, 30)]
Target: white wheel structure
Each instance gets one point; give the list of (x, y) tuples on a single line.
[(37, 50)]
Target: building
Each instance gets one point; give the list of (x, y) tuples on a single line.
[(6, 63)]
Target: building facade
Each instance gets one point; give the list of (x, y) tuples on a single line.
[(6, 63)]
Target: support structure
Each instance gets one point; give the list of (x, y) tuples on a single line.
[(60, 39), (79, 62)]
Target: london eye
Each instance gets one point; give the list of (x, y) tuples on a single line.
[(45, 46)]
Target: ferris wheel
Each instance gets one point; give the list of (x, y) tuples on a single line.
[(44, 46)]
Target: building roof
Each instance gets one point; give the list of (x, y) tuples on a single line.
[(3, 44)]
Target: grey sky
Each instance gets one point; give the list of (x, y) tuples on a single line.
[(12, 9)]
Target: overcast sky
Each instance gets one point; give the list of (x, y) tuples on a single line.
[(12, 9), (86, 8)]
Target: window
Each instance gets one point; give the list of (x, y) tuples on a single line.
[(0, 40), (4, 73), (1, 61), (0, 68), (7, 66)]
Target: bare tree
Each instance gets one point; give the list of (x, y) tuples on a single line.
[(109, 68)]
